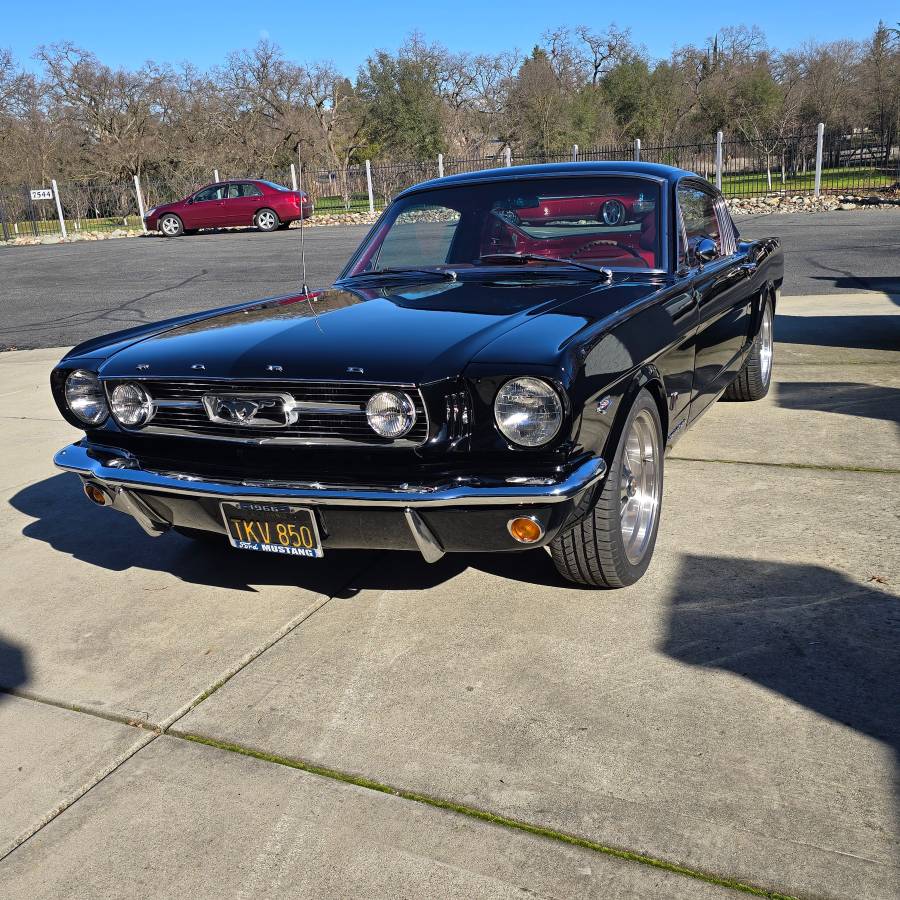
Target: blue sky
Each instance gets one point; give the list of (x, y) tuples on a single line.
[(127, 33)]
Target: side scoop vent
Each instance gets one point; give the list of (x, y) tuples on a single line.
[(458, 415)]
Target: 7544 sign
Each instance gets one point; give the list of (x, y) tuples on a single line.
[(42, 194)]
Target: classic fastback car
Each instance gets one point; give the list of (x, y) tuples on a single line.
[(500, 366)]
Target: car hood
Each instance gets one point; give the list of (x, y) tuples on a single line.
[(411, 332)]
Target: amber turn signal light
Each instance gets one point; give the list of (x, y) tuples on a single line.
[(525, 529), (96, 495)]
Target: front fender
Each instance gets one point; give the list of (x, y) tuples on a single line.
[(604, 414)]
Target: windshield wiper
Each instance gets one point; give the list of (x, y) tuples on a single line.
[(447, 274), (538, 257)]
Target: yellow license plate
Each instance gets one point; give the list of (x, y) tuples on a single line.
[(272, 528)]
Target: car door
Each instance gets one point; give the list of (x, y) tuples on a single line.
[(240, 203), (720, 286), (206, 209)]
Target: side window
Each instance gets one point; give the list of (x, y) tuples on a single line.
[(421, 236), (698, 210), (210, 193), (243, 189)]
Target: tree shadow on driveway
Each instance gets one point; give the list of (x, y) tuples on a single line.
[(864, 332), (13, 666)]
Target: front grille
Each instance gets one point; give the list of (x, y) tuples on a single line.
[(180, 410)]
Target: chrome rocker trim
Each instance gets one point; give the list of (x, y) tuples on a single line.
[(109, 466)]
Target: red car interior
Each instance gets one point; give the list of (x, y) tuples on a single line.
[(574, 227)]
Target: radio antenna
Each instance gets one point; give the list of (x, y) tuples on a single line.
[(309, 303)]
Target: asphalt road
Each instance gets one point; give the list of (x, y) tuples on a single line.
[(61, 294)]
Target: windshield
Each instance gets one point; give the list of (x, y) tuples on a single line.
[(603, 221)]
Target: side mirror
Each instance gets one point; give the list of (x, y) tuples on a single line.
[(705, 250)]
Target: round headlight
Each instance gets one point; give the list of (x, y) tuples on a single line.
[(390, 414), (528, 411), (131, 405), (84, 396)]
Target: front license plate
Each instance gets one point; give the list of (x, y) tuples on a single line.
[(272, 528)]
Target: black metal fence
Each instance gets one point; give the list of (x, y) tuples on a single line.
[(858, 162)]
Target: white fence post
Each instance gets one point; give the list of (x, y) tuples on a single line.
[(574, 152), (215, 174), (820, 140), (719, 137), (294, 176), (507, 156), (440, 165), (62, 221), (140, 200), (369, 186), (637, 149)]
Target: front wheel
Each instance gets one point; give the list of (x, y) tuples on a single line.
[(267, 220), (752, 382), (612, 545), (171, 226)]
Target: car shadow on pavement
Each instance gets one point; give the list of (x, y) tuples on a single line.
[(111, 540), (848, 398), (13, 666), (65, 520), (807, 632)]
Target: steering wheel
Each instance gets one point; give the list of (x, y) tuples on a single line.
[(618, 249)]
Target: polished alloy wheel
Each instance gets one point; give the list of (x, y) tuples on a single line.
[(766, 344), (640, 486), (170, 226), (266, 220)]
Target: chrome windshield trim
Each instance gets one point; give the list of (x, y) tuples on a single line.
[(114, 467)]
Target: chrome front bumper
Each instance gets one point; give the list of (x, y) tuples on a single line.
[(120, 475)]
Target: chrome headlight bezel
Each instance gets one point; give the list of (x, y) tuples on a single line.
[(387, 406), (83, 391), (130, 405), (524, 396)]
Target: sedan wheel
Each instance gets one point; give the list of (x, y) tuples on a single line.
[(266, 220), (171, 226), (612, 545)]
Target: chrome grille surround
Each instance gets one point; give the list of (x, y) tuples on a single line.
[(318, 412)]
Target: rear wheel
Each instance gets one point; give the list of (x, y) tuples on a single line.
[(613, 544), (267, 220), (752, 382), (171, 226)]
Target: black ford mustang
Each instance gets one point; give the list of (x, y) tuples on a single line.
[(500, 366)]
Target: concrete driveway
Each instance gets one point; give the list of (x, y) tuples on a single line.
[(218, 724)]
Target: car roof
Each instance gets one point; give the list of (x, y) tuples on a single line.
[(556, 170)]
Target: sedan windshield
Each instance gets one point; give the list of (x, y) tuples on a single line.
[(601, 221)]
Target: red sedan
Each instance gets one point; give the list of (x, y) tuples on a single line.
[(226, 204)]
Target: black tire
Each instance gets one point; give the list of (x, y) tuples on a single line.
[(171, 225), (266, 219), (755, 377), (593, 551)]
